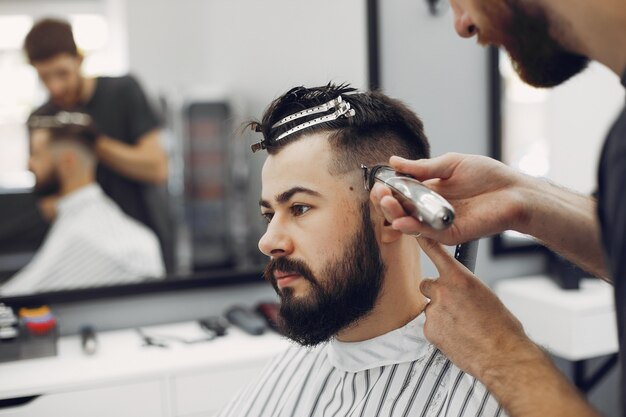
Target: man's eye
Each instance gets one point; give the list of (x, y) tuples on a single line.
[(267, 216), (299, 209)]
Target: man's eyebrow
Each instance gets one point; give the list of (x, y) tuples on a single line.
[(284, 197)]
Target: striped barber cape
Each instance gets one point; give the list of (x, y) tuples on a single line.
[(397, 374)]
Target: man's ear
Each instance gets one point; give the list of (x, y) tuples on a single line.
[(386, 232)]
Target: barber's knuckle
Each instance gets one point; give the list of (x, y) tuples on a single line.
[(463, 283), (452, 156), (429, 243), (446, 240), (428, 285)]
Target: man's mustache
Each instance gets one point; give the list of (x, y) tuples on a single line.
[(287, 265)]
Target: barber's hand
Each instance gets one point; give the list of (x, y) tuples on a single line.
[(486, 196), (103, 144), (467, 321), (48, 207)]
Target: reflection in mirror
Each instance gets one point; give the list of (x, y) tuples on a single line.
[(170, 155), (92, 242), (551, 133), (27, 217)]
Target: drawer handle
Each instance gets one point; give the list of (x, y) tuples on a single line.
[(18, 401)]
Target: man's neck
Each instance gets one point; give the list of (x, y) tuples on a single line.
[(596, 29), (76, 184), (400, 300)]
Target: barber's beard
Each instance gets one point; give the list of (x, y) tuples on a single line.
[(538, 59), (73, 100), (51, 185), (346, 292)]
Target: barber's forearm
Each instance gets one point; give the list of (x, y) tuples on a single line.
[(529, 385), (146, 161), (566, 222)]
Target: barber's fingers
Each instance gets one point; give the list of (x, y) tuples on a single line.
[(424, 169), (412, 226), (378, 191), (391, 208), (385, 204), (427, 287), (443, 261)]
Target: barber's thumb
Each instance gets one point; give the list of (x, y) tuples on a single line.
[(416, 168), (427, 287)]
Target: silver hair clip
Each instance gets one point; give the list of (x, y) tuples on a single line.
[(342, 109), (60, 119), (307, 112)]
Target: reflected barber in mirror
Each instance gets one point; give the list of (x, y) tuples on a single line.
[(548, 41), (91, 241), (348, 282), (131, 159)]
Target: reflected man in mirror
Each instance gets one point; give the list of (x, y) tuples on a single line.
[(91, 242), (132, 163)]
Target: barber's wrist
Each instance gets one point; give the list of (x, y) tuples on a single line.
[(528, 194), (522, 363), (103, 145), (530, 385)]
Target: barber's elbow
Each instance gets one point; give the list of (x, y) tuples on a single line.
[(161, 171)]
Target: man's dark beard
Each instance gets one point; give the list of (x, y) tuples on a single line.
[(48, 186), (537, 58), (347, 292)]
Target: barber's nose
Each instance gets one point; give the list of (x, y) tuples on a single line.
[(463, 24), (56, 88), (275, 241)]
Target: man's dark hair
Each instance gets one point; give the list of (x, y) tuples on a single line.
[(380, 127), (84, 136), (49, 38)]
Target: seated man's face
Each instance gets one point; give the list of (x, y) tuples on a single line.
[(325, 261), (41, 163)]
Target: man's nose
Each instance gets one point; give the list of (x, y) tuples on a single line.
[(276, 241), (463, 24), (56, 88)]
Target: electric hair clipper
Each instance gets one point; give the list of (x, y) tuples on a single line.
[(422, 203), (416, 199)]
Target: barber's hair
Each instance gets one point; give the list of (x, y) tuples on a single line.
[(74, 128), (49, 38), (381, 126)]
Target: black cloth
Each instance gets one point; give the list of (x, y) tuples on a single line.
[(612, 214), (22, 228), (121, 111)]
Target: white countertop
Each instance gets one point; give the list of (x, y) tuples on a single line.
[(122, 356), (572, 324)]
